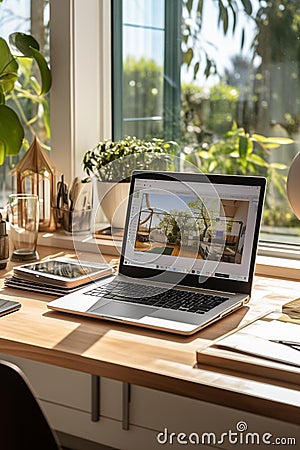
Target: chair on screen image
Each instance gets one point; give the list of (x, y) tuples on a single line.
[(23, 425)]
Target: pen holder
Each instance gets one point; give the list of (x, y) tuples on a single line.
[(76, 221)]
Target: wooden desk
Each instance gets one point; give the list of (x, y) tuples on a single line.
[(148, 358)]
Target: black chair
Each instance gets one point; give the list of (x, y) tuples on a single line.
[(23, 425)]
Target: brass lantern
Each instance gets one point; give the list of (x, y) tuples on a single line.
[(36, 174)]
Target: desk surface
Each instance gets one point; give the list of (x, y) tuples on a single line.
[(145, 357)]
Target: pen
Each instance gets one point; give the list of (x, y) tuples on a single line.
[(292, 344)]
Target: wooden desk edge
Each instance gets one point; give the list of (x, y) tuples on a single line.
[(178, 386)]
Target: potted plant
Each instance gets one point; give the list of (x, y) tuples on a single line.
[(11, 79), (112, 162)]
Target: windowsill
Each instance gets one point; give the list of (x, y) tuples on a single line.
[(266, 265), (275, 267), (79, 242)]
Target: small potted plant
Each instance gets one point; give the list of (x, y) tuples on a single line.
[(112, 162)]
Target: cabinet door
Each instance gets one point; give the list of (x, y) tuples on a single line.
[(215, 425)]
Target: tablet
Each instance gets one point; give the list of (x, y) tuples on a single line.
[(8, 306), (63, 272)]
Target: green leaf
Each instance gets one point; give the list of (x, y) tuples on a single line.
[(207, 68), (258, 137), (257, 160), (8, 64), (278, 166), (6, 78), (196, 69), (2, 96), (11, 132), (224, 17), (2, 152), (272, 140), (24, 43), (234, 17), (189, 5), (200, 7), (271, 146), (279, 140), (188, 56), (45, 71), (212, 166), (247, 6), (185, 38), (204, 154), (243, 146), (242, 39), (29, 47)]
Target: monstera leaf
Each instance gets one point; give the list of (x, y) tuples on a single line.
[(11, 133), (11, 129), (29, 47)]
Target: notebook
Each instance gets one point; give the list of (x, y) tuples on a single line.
[(188, 253)]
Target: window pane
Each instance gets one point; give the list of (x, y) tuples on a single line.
[(143, 59), (16, 15), (240, 84), (241, 78), (149, 13)]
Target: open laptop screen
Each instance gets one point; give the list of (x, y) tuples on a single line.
[(203, 227)]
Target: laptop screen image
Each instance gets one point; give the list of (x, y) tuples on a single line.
[(205, 227)]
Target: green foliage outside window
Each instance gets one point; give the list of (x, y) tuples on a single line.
[(210, 138), (143, 88)]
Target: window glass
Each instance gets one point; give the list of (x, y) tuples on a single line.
[(239, 90), (143, 60), (146, 14), (28, 16)]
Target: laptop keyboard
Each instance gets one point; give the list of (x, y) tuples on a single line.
[(154, 296)]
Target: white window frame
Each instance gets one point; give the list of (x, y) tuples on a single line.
[(80, 46)]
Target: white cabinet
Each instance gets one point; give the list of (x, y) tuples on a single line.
[(194, 419), (66, 397)]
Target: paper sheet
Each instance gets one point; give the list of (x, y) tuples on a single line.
[(255, 339)]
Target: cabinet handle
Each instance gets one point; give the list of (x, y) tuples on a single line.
[(95, 393), (125, 406)]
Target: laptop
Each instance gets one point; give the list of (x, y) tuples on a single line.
[(188, 253)]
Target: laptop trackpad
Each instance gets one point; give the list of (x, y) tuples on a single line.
[(120, 309)]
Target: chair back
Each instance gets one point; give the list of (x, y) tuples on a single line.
[(23, 424)]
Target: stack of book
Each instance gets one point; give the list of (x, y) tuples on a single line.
[(266, 348), (57, 276)]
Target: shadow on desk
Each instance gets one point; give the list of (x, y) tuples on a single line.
[(90, 330)]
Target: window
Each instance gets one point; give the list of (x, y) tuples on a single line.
[(233, 78), (33, 18), (148, 75), (140, 60), (80, 56)]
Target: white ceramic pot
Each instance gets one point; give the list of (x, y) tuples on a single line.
[(113, 198)]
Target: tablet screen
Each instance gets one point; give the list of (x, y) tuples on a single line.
[(62, 269)]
